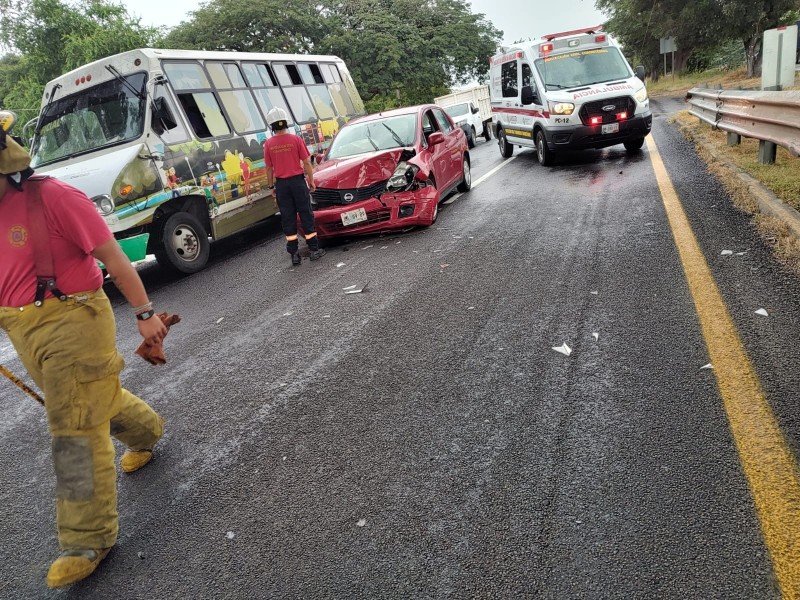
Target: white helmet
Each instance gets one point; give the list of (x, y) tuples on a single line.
[(277, 118)]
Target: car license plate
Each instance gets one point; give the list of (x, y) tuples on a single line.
[(610, 128), (351, 217)]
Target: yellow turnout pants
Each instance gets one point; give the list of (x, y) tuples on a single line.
[(69, 349)]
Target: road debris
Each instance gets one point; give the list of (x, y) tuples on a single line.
[(361, 522), (444, 265), (338, 265), (595, 292), (354, 289), (763, 312), (470, 308), (230, 535), (596, 336), (367, 247), (140, 555), (220, 320), (707, 366), (563, 349), (288, 314), (726, 252)]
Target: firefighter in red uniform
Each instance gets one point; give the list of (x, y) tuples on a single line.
[(62, 327), (287, 158)]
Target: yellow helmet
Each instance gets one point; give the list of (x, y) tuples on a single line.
[(13, 157)]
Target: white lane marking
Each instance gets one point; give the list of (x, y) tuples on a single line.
[(481, 179)]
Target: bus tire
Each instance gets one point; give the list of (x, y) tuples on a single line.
[(506, 149), (544, 155), (183, 244)]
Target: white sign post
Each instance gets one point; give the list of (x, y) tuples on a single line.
[(667, 46), (778, 51)]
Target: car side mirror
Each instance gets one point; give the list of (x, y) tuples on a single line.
[(437, 137), (529, 96), (640, 72)]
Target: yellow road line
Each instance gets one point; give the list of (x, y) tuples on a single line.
[(767, 461)]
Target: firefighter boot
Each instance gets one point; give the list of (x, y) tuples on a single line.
[(296, 260), (74, 565), (133, 460)]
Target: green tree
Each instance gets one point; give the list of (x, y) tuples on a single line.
[(47, 38)]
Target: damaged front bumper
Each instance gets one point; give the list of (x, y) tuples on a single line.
[(387, 212)]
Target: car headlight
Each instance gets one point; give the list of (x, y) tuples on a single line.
[(641, 96), (562, 108), (402, 178), (104, 204)]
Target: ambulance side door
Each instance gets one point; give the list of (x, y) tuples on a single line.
[(512, 104)]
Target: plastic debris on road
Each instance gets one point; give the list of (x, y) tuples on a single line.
[(563, 349), (288, 314), (220, 320), (763, 312), (596, 336), (726, 252), (361, 522), (707, 366), (326, 316), (470, 308), (354, 289), (339, 265), (444, 265), (594, 292), (367, 247), (230, 535)]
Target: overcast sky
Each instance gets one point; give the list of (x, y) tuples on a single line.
[(518, 19)]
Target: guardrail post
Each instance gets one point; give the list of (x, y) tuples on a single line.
[(767, 152), (734, 139)]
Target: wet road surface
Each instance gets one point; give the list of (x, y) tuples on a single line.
[(422, 439)]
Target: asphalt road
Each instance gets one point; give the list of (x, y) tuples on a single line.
[(422, 439)]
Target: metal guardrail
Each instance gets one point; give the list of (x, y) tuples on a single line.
[(767, 116)]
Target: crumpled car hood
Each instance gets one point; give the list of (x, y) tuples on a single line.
[(357, 171)]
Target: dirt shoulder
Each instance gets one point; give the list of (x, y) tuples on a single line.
[(771, 193)]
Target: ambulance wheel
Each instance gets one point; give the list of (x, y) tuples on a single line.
[(633, 145), (471, 137), (506, 149), (487, 132), (543, 154), (183, 244)]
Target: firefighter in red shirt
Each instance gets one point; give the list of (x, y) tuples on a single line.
[(62, 326), (286, 158)]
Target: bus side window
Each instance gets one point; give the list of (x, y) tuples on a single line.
[(204, 114), (164, 120)]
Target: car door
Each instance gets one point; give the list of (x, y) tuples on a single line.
[(452, 144), (439, 153)]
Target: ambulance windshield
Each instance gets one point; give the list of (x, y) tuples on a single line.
[(99, 116), (584, 67)]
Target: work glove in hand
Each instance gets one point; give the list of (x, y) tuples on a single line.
[(154, 352)]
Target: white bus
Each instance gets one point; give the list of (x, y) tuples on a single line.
[(168, 144)]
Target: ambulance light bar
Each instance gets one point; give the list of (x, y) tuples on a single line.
[(550, 37)]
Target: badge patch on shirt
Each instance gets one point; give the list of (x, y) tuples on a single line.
[(17, 236)]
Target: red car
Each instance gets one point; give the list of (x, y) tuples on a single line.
[(389, 171)]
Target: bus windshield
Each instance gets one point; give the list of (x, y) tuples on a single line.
[(374, 135), (584, 67), (103, 115)]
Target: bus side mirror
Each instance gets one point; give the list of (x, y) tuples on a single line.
[(529, 96), (162, 116), (640, 72)]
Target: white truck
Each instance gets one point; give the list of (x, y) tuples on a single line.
[(470, 109)]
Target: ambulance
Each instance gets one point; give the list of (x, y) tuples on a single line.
[(567, 91)]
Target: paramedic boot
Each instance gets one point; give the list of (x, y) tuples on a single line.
[(74, 565), (133, 460)]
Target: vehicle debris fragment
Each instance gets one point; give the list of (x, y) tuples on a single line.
[(563, 349)]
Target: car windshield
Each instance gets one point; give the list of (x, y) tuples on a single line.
[(100, 116), (377, 134), (585, 67), (457, 110)]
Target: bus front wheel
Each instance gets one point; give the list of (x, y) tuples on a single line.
[(183, 244)]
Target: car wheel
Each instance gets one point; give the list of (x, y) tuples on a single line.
[(466, 179), (487, 132), (471, 137), (506, 149), (633, 145), (432, 183), (543, 154), (182, 244)]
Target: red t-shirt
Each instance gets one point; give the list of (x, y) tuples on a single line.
[(285, 153), (76, 229)]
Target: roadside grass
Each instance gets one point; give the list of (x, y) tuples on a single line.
[(728, 79), (782, 178)]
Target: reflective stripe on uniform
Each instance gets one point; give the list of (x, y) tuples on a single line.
[(309, 236), (291, 238)]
